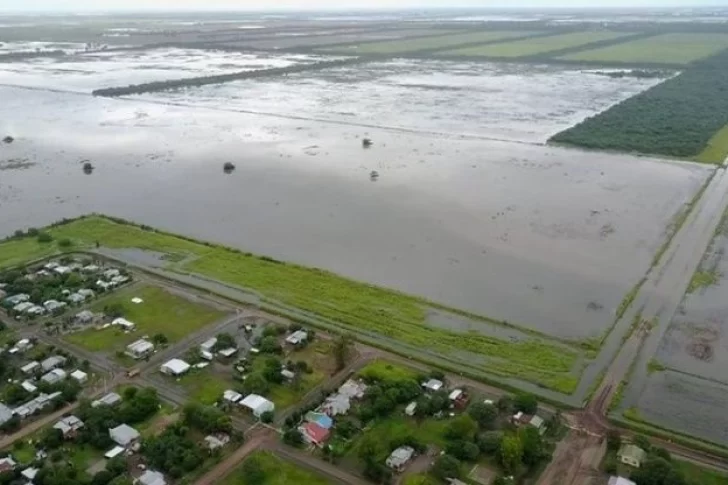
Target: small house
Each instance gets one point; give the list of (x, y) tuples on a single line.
[(30, 367), (104, 285), (257, 404), (7, 464), (111, 273), (206, 355), (208, 344), (433, 385), (53, 305), (69, 426), (23, 307), (6, 414), (139, 349), (175, 367), (124, 323), (86, 293), (114, 452), (91, 268), (80, 376), (337, 404), (458, 398), (124, 435), (54, 377), (232, 396), (109, 399), (538, 423), (400, 457), (620, 481), (151, 477), (28, 386), (228, 352), (52, 362), (30, 473), (75, 299), (296, 338), (62, 270), (631, 455), (314, 434), (353, 389)]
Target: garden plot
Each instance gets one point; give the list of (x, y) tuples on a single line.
[(510, 102), (87, 72)]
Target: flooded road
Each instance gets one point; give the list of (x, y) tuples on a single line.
[(544, 237)]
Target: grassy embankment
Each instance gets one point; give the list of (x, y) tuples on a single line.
[(424, 43), (276, 471), (676, 48), (540, 45), (161, 312), (354, 306), (696, 475)]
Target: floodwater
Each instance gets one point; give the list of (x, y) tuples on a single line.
[(500, 101), (28, 46), (539, 236), (86, 72)]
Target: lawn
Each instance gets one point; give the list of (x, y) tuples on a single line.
[(696, 475), (539, 45), (667, 48), (21, 251), (277, 472), (384, 371), (430, 431), (351, 305), (426, 43), (717, 149), (161, 312), (205, 387)]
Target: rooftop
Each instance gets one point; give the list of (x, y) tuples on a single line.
[(123, 434)]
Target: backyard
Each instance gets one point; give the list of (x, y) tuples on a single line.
[(272, 470)]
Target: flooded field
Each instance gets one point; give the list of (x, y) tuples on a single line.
[(686, 404), (86, 72), (543, 237), (499, 101), (14, 47)]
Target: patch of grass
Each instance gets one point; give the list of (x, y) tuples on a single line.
[(419, 479), (384, 371), (696, 475), (277, 472), (529, 47), (633, 414), (350, 305), (655, 366), (24, 454), (629, 298), (678, 48), (618, 396), (204, 387), (717, 149), (19, 251), (430, 431), (703, 279), (425, 43), (161, 312)]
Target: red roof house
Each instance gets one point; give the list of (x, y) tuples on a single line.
[(314, 433)]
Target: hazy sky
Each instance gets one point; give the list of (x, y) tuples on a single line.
[(96, 5)]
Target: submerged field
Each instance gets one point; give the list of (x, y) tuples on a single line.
[(665, 49), (537, 45), (510, 102), (86, 72)]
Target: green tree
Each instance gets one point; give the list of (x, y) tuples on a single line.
[(462, 427), (657, 471), (490, 442), (446, 466), (510, 453), (342, 349), (526, 403), (484, 414), (534, 449), (293, 437)]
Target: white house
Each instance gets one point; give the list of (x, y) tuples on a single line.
[(124, 323), (232, 396), (151, 477), (139, 349), (208, 344), (228, 352), (297, 337), (55, 376), (124, 435), (400, 457), (257, 404), (79, 376), (108, 400), (52, 362), (433, 385), (53, 305), (620, 481), (111, 273), (30, 473), (28, 386), (30, 367), (175, 367), (114, 452), (69, 426), (631, 455)]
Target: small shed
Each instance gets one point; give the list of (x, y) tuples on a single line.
[(433, 385), (108, 400), (400, 457), (80, 376), (410, 409), (114, 452), (232, 396), (175, 367), (139, 349), (297, 337)]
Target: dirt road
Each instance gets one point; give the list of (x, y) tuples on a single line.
[(254, 441)]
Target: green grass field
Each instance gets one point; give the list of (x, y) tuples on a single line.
[(161, 312), (425, 43), (538, 45), (277, 472), (384, 371), (667, 48), (354, 305), (696, 475), (18, 252), (205, 387), (430, 431), (717, 149)]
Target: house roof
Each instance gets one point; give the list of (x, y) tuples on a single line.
[(5, 413), (258, 404), (113, 452), (316, 432), (140, 346), (632, 452), (353, 389), (30, 366), (209, 343), (297, 337), (28, 386), (215, 442), (228, 352), (123, 434), (79, 375), (68, 423), (324, 421), (107, 400), (455, 394), (536, 422), (400, 456), (30, 473), (232, 396), (56, 375), (620, 481), (433, 384), (151, 477), (7, 463), (123, 322), (176, 366)]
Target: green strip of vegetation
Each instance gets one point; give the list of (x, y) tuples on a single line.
[(655, 366), (717, 149), (425, 43), (703, 279), (629, 298), (529, 47), (677, 118), (700, 476), (351, 305)]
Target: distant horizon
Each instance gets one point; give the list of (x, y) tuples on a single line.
[(80, 7)]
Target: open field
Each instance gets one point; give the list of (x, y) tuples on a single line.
[(425, 43), (701, 476), (16, 253), (539, 45), (666, 49), (384, 371), (161, 312), (277, 472), (717, 149), (87, 72), (205, 387)]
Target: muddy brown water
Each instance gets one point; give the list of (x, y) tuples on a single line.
[(512, 231)]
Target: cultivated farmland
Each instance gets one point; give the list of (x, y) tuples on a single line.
[(537, 45), (678, 48), (426, 43)]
